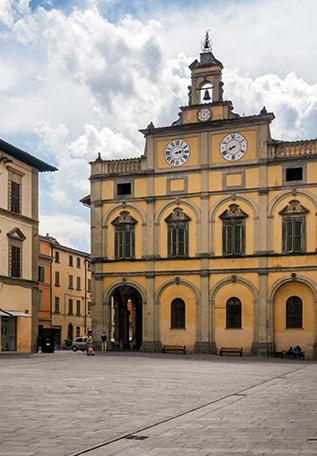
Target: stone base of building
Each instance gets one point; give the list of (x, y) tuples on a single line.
[(262, 348), (151, 346), (205, 347)]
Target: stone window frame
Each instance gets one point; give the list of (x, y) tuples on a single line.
[(57, 279), (292, 215), (15, 240), (57, 305), (78, 283), (177, 223), (178, 314), (294, 321), (233, 313), (286, 166), (15, 176), (78, 307), (123, 181), (70, 306), (70, 281), (124, 236), (232, 218)]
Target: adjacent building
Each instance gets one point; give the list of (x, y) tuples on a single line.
[(209, 239), (19, 248), (65, 281)]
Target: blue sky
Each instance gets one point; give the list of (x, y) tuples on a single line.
[(81, 77)]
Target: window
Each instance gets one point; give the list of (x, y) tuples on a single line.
[(178, 227), (70, 260), (124, 236), (78, 262), (56, 257), (78, 284), (15, 240), (70, 282), (16, 261), (77, 331), (294, 227), (14, 191), (233, 308), (233, 231), (293, 174), (89, 285), (70, 307), (124, 189), (77, 307), (177, 314), (89, 306), (41, 274), (294, 312), (57, 310), (57, 283)]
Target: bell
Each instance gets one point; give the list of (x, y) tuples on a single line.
[(206, 95)]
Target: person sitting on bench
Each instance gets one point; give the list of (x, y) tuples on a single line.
[(298, 353)]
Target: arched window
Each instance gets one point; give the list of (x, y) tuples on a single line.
[(124, 236), (177, 314), (294, 312), (206, 93), (233, 313), (177, 233), (233, 231), (293, 227)]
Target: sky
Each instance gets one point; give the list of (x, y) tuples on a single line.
[(81, 77)]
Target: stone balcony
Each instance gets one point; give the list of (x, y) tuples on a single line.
[(118, 167), (279, 150)]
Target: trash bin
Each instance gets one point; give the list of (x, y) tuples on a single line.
[(47, 340)]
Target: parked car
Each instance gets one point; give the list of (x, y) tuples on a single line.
[(79, 343)]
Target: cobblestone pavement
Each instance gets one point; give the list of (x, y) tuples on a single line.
[(69, 404)]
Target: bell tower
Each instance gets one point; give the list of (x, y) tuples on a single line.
[(205, 96), (206, 76)]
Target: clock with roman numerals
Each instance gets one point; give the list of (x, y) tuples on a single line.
[(177, 152), (233, 147)]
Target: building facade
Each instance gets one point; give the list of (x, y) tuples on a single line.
[(19, 249), (70, 290), (45, 284), (208, 240)]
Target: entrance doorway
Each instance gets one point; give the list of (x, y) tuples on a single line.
[(126, 319), (8, 334)]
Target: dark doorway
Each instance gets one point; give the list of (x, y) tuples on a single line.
[(70, 331), (126, 319)]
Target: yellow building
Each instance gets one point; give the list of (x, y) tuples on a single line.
[(209, 239), (70, 291), (19, 249)]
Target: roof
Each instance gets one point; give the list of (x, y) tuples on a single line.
[(85, 200), (54, 243), (25, 157)]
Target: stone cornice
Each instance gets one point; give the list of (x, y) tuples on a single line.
[(20, 217)]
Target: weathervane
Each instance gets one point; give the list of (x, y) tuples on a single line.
[(206, 44)]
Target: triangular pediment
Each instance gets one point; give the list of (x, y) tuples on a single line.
[(233, 212), (16, 233), (294, 208)]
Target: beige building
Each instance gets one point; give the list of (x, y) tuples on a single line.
[(208, 240), (70, 291), (19, 298)]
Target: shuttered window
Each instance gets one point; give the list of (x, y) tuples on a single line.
[(294, 231), (16, 257)]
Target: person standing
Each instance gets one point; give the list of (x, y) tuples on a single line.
[(104, 341)]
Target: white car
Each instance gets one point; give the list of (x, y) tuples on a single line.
[(79, 343)]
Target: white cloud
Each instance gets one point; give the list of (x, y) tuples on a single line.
[(69, 230), (83, 84)]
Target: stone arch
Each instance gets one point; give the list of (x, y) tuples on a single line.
[(158, 216), (120, 283), (294, 194), (177, 281), (189, 293), (234, 198), (278, 285), (218, 333), (107, 220)]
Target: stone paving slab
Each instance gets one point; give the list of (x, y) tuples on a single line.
[(64, 403)]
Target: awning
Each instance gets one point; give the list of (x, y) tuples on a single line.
[(13, 313)]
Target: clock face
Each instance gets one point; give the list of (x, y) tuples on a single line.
[(177, 152), (204, 114), (233, 147)]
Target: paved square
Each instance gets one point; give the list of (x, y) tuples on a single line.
[(68, 404)]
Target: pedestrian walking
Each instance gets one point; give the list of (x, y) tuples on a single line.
[(104, 341)]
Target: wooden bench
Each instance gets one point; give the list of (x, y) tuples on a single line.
[(174, 348), (234, 350)]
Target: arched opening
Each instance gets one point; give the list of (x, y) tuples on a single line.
[(206, 93), (126, 318), (70, 331)]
